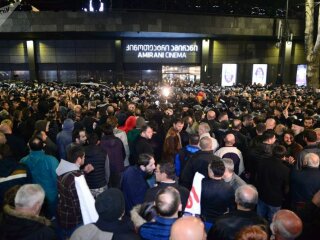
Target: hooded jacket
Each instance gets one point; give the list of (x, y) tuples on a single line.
[(19, 226), (64, 138), (68, 211)]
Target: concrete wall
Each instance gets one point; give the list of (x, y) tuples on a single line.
[(140, 22)]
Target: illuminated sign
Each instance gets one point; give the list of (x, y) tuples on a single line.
[(161, 51)]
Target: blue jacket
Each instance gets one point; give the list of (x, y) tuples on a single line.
[(177, 161), (133, 186), (158, 230), (43, 171)]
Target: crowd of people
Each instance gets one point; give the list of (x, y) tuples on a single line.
[(138, 147)]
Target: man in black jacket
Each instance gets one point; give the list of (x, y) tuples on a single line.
[(198, 163), (143, 143), (165, 177), (98, 179), (226, 226), (272, 183)]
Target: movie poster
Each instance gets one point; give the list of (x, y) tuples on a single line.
[(229, 75), (301, 78), (259, 74)]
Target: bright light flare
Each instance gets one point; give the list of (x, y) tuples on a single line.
[(166, 91)]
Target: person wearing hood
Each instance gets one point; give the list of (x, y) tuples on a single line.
[(68, 210), (114, 148), (42, 168), (64, 137), (129, 124), (111, 224)]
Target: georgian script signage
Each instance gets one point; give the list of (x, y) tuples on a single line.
[(156, 51)]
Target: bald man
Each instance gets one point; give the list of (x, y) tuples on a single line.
[(230, 151), (286, 225), (188, 228), (227, 226), (211, 120), (305, 183)]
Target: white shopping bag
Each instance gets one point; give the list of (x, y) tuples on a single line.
[(88, 210), (193, 205)]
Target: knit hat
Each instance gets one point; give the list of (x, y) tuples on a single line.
[(110, 204), (297, 122), (68, 124)]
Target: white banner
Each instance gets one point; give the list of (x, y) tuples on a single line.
[(88, 209), (193, 205), (6, 11)]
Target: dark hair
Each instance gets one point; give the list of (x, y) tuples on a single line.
[(247, 117), (107, 129), (194, 139), (310, 135), (168, 168), (268, 134), (145, 127), (288, 131), (74, 153), (309, 118), (113, 121), (93, 138), (217, 167), (279, 151), (148, 211), (168, 206), (5, 151), (144, 159), (261, 128), (177, 120), (36, 143), (76, 133)]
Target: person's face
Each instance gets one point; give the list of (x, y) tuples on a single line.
[(149, 169), (288, 139), (308, 123), (178, 126), (273, 140), (5, 106), (82, 137), (201, 130), (131, 107), (148, 133), (296, 129), (228, 76), (248, 122), (80, 160), (158, 174)]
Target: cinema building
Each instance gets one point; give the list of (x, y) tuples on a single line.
[(132, 46)]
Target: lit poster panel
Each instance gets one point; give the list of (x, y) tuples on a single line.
[(161, 51), (229, 75), (259, 74), (301, 78)]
